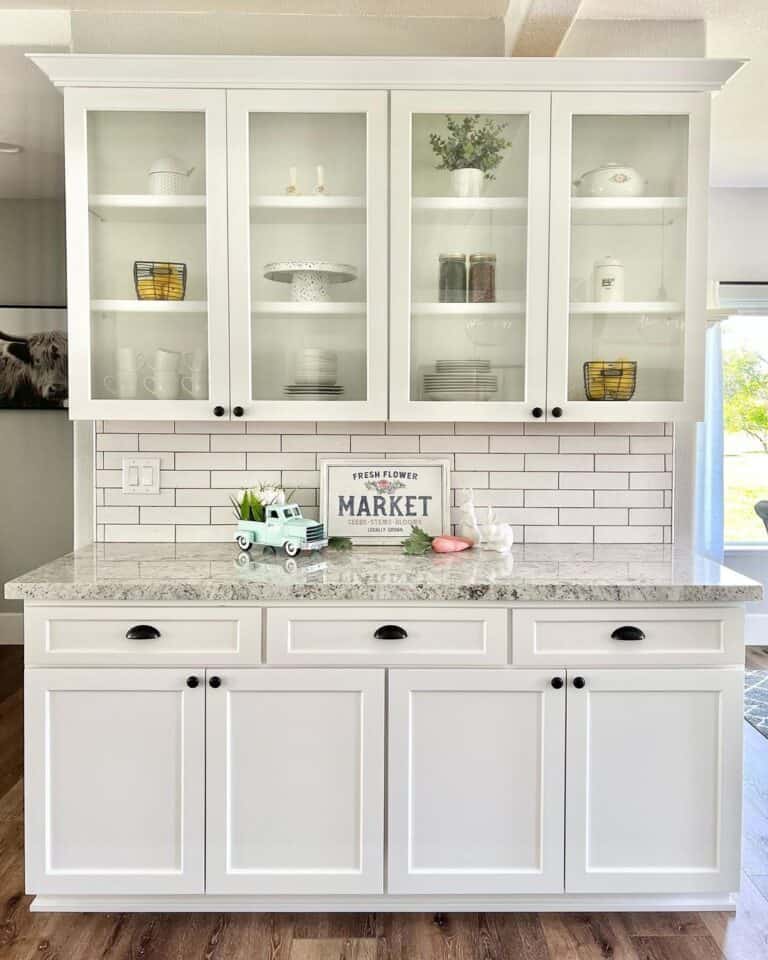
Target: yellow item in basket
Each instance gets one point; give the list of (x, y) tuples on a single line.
[(160, 281)]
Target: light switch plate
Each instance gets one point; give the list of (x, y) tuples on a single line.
[(141, 475)]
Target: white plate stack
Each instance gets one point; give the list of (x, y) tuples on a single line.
[(316, 373), (460, 380)]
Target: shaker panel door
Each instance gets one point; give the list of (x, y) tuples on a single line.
[(476, 781)]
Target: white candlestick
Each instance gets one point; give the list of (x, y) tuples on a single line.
[(320, 176), (292, 177)]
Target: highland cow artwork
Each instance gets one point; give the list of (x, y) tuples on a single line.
[(33, 358)]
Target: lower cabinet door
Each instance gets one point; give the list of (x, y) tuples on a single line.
[(654, 781), (295, 781), (476, 781), (114, 781)]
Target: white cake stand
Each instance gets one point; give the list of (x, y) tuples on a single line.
[(309, 279)]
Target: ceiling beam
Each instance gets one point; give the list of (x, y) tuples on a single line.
[(537, 28)]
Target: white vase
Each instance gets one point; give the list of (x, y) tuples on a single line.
[(467, 182)]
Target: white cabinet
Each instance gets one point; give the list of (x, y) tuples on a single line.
[(308, 269), (476, 781), (469, 335), (653, 781), (147, 271), (629, 183), (309, 222), (295, 782), (114, 781)]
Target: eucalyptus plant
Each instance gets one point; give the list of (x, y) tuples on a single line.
[(471, 142)]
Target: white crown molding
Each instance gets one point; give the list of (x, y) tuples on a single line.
[(478, 73)]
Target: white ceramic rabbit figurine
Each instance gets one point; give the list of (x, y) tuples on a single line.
[(501, 539), (467, 526)]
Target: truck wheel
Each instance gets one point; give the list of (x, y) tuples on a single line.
[(291, 548), (243, 542)]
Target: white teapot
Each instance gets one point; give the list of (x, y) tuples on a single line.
[(611, 180)]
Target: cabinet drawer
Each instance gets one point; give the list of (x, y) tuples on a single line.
[(355, 635), (650, 636), (72, 635)]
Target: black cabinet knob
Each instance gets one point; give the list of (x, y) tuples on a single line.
[(579, 683), (557, 411), (214, 682), (557, 683), (218, 411), (537, 412), (192, 682), (630, 634), (390, 631), (142, 631), (238, 411)]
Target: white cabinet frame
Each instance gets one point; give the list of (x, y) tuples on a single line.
[(240, 103), (77, 103), (404, 106), (404, 877), (564, 107), (223, 777), (186, 756), (583, 806)]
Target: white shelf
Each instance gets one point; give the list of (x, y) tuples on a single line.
[(507, 211), (149, 306), (628, 308), (626, 211), (320, 308), (502, 309), (283, 208), (147, 207)]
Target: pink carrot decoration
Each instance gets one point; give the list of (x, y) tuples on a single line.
[(450, 544)]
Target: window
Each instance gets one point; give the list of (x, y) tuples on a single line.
[(745, 414)]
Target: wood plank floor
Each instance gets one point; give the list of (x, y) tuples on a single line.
[(642, 936)]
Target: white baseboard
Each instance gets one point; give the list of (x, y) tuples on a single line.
[(593, 903), (756, 630), (11, 629)]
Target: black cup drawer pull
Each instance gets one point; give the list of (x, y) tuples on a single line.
[(390, 631), (143, 631), (628, 633)]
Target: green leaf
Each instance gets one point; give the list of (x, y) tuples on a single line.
[(417, 543), (339, 543)]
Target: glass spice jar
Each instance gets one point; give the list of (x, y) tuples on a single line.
[(482, 278), (453, 278)]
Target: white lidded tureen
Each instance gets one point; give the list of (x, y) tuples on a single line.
[(611, 180)]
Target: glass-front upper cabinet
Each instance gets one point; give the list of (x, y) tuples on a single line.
[(628, 256), (147, 263), (308, 254), (470, 193)]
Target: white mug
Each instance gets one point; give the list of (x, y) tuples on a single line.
[(194, 361), (166, 361), (164, 385), (124, 384), (195, 386), (129, 359)]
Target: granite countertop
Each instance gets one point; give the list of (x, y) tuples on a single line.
[(148, 572)]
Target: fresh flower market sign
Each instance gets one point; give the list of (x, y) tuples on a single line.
[(380, 501)]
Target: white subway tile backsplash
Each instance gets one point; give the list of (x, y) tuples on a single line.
[(553, 482), (210, 461), (174, 441)]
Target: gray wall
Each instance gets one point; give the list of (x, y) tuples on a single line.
[(35, 445)]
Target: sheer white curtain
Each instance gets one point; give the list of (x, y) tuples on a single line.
[(709, 454)]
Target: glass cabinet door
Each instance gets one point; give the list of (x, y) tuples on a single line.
[(147, 267), (308, 254), (470, 190), (627, 269)]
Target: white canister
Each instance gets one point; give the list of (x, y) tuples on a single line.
[(168, 176), (609, 280)]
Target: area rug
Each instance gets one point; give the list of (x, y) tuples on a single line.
[(756, 699)]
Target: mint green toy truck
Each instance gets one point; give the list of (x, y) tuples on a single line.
[(283, 528)]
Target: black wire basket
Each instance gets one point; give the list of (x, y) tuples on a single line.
[(159, 281), (610, 379)]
